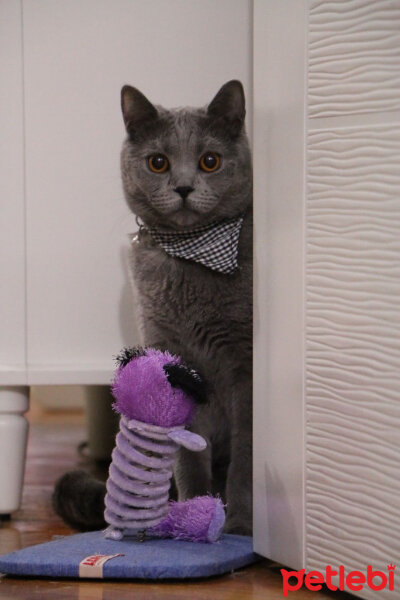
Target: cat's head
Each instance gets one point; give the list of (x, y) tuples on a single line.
[(186, 167)]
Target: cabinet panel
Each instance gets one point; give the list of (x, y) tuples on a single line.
[(77, 57), (279, 152), (12, 217)]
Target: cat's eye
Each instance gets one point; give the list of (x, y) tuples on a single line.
[(209, 162), (158, 163)]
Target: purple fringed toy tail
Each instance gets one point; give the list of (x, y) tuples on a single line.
[(200, 519), (156, 395)]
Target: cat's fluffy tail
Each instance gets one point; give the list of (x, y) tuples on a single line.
[(78, 498)]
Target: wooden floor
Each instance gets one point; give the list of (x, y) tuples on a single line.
[(51, 451)]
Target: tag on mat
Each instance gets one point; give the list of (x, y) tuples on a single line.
[(92, 566)]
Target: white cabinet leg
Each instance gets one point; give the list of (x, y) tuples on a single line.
[(14, 402)]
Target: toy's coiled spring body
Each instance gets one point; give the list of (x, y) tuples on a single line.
[(139, 478)]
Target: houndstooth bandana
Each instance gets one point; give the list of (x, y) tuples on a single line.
[(215, 245)]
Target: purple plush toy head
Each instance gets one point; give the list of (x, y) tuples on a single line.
[(156, 387)]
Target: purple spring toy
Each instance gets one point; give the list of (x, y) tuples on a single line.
[(156, 395)]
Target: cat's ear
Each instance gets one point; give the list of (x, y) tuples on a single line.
[(229, 106), (189, 380), (136, 109)]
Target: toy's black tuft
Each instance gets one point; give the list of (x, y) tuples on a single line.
[(127, 354), (189, 380)]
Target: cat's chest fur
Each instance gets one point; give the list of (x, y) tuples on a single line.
[(197, 313)]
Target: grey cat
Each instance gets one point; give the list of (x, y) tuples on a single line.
[(183, 169)]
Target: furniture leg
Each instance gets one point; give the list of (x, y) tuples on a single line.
[(14, 402)]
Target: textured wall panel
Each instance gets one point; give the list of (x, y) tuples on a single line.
[(353, 348), (354, 57)]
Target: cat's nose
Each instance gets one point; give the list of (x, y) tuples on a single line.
[(183, 191)]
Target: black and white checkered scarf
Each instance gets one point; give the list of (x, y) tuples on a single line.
[(215, 245)]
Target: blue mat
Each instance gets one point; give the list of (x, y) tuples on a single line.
[(151, 559)]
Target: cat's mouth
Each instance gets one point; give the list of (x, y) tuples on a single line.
[(185, 217), (184, 213)]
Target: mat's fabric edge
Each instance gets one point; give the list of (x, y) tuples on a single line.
[(9, 566), (20, 571)]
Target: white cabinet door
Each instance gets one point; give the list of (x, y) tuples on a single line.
[(77, 56), (12, 207), (327, 310)]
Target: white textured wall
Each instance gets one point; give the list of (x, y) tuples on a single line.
[(354, 57), (352, 278), (327, 283)]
